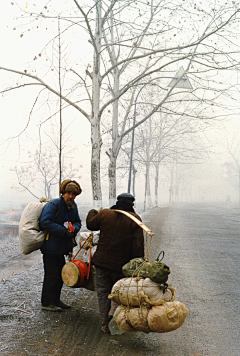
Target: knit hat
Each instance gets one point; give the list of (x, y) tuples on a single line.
[(125, 196), (69, 185)]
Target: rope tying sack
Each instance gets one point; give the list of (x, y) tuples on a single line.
[(88, 241)]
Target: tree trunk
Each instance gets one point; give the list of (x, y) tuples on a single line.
[(171, 189), (95, 119), (147, 198), (115, 142), (95, 164), (112, 179), (156, 184)]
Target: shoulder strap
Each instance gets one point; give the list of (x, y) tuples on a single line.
[(144, 227)]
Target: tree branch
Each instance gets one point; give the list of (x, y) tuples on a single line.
[(49, 88)]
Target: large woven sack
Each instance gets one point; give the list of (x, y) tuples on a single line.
[(138, 291), (167, 317), (163, 318), (155, 270), (131, 319), (30, 236)]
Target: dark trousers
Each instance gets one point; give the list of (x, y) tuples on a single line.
[(105, 279), (52, 282)]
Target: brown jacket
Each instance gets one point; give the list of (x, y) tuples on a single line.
[(121, 239)]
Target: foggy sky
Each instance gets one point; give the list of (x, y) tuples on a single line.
[(209, 181)]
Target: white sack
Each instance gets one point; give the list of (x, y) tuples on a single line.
[(85, 235), (138, 291), (30, 236)]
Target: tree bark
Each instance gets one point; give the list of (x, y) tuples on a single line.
[(112, 179), (156, 184), (95, 119)]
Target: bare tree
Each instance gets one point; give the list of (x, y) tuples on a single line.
[(165, 139), (39, 173), (132, 45), (38, 177)]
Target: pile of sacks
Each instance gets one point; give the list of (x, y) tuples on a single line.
[(143, 304)]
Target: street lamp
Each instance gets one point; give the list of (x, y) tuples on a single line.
[(180, 80), (132, 144)]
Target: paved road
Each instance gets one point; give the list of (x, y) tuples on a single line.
[(202, 248), (202, 245)]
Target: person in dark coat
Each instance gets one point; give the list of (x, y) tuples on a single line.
[(61, 221), (120, 240)]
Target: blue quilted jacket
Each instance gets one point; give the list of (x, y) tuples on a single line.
[(53, 216)]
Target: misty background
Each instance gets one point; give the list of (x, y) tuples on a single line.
[(201, 167)]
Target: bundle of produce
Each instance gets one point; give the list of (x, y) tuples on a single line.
[(140, 291), (162, 318)]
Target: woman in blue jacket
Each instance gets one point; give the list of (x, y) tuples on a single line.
[(61, 221)]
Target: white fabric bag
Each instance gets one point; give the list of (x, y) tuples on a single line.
[(30, 236), (85, 235), (134, 291)]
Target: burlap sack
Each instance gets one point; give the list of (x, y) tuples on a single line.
[(139, 291), (162, 318), (131, 319), (167, 317)]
